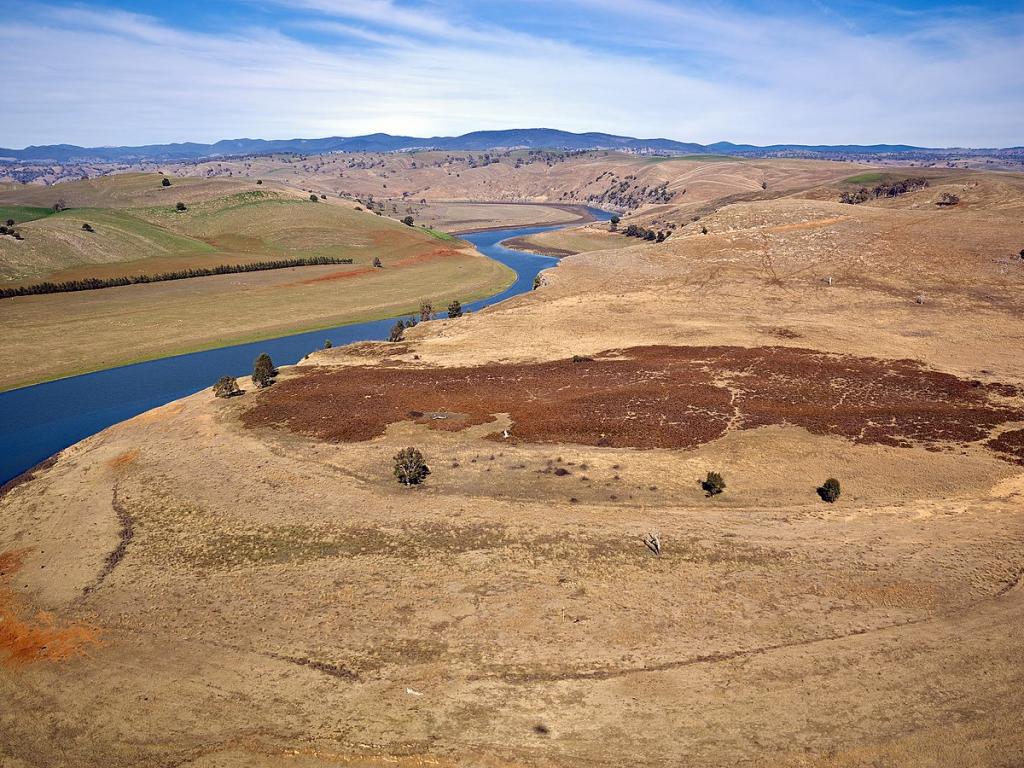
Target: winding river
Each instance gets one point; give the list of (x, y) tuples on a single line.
[(38, 421)]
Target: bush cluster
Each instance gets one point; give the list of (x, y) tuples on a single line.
[(93, 283), (885, 189), (635, 230)]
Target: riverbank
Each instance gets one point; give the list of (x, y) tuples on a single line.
[(37, 421)]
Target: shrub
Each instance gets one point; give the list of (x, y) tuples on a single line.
[(703, 230), (947, 199), (263, 371), (314, 199), (180, 207), (87, 227), (10, 223), (259, 182), (226, 386), (328, 344), (410, 468), (166, 182), (397, 331), (408, 220), (426, 311), (829, 490), (455, 309), (582, 359), (536, 280), (377, 263), (323, 197), (59, 206), (713, 484)]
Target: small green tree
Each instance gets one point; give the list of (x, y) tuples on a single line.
[(829, 490), (180, 207), (410, 468), (408, 220), (426, 311), (455, 309), (226, 386), (713, 484), (397, 331), (166, 182), (263, 371), (328, 344)]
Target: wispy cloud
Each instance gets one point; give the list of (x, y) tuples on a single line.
[(92, 74)]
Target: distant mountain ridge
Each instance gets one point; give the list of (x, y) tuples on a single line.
[(528, 138)]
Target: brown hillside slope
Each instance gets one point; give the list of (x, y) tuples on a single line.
[(280, 600)]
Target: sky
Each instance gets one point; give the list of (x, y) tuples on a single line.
[(114, 72)]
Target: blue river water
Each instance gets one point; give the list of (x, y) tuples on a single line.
[(38, 421)]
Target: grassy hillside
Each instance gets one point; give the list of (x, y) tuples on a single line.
[(248, 224), (225, 222)]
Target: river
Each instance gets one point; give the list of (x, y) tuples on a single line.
[(38, 421)]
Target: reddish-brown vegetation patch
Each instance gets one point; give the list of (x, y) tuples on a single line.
[(650, 397), (1010, 443), (25, 639)]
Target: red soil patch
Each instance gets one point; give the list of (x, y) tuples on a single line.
[(437, 253), (38, 638), (650, 397)]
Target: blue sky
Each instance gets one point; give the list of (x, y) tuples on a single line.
[(819, 71)]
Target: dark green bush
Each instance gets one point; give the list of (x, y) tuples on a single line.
[(226, 386), (829, 490), (410, 468), (713, 484), (455, 309), (263, 371)]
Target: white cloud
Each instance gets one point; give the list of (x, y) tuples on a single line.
[(97, 77)]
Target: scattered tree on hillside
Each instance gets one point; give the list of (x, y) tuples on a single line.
[(455, 309), (263, 371), (180, 207), (314, 199), (947, 199), (613, 224), (703, 230), (328, 344), (166, 182), (259, 182), (408, 220), (829, 490), (537, 281), (87, 227), (426, 311), (226, 386), (10, 222), (323, 197), (377, 263), (410, 468), (59, 206), (713, 484), (397, 331)]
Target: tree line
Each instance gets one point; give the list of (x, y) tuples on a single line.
[(94, 283)]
